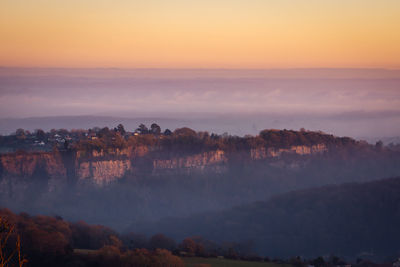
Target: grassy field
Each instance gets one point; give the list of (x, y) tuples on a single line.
[(213, 262)]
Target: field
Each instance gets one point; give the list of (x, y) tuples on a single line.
[(214, 262), (208, 262)]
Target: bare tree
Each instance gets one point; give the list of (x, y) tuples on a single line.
[(9, 255)]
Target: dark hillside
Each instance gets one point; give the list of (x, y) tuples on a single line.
[(351, 220)]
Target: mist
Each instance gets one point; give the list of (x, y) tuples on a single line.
[(361, 103)]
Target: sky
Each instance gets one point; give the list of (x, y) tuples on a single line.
[(200, 34)]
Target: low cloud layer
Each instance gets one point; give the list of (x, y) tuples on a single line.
[(333, 96)]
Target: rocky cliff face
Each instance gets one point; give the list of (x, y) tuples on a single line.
[(103, 171), (105, 166), (25, 164), (82, 154), (263, 153), (19, 170), (212, 160)]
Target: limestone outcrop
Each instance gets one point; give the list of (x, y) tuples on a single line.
[(102, 167)]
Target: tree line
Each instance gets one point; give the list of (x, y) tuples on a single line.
[(179, 139), (52, 241)]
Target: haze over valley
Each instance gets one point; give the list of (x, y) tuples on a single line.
[(361, 103)]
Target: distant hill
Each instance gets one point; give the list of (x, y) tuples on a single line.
[(9, 125), (350, 220), (394, 140)]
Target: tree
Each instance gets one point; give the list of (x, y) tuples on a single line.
[(133, 241), (121, 129), (167, 132), (63, 132), (66, 144), (161, 241), (188, 245), (104, 132), (334, 260), (297, 262), (379, 145), (108, 255), (272, 137), (155, 129), (7, 232), (143, 257), (115, 241), (185, 131), (40, 134), (164, 258), (20, 134), (142, 129), (318, 262), (137, 258)]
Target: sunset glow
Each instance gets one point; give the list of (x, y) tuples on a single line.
[(200, 34)]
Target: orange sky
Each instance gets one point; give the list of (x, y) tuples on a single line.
[(205, 34)]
